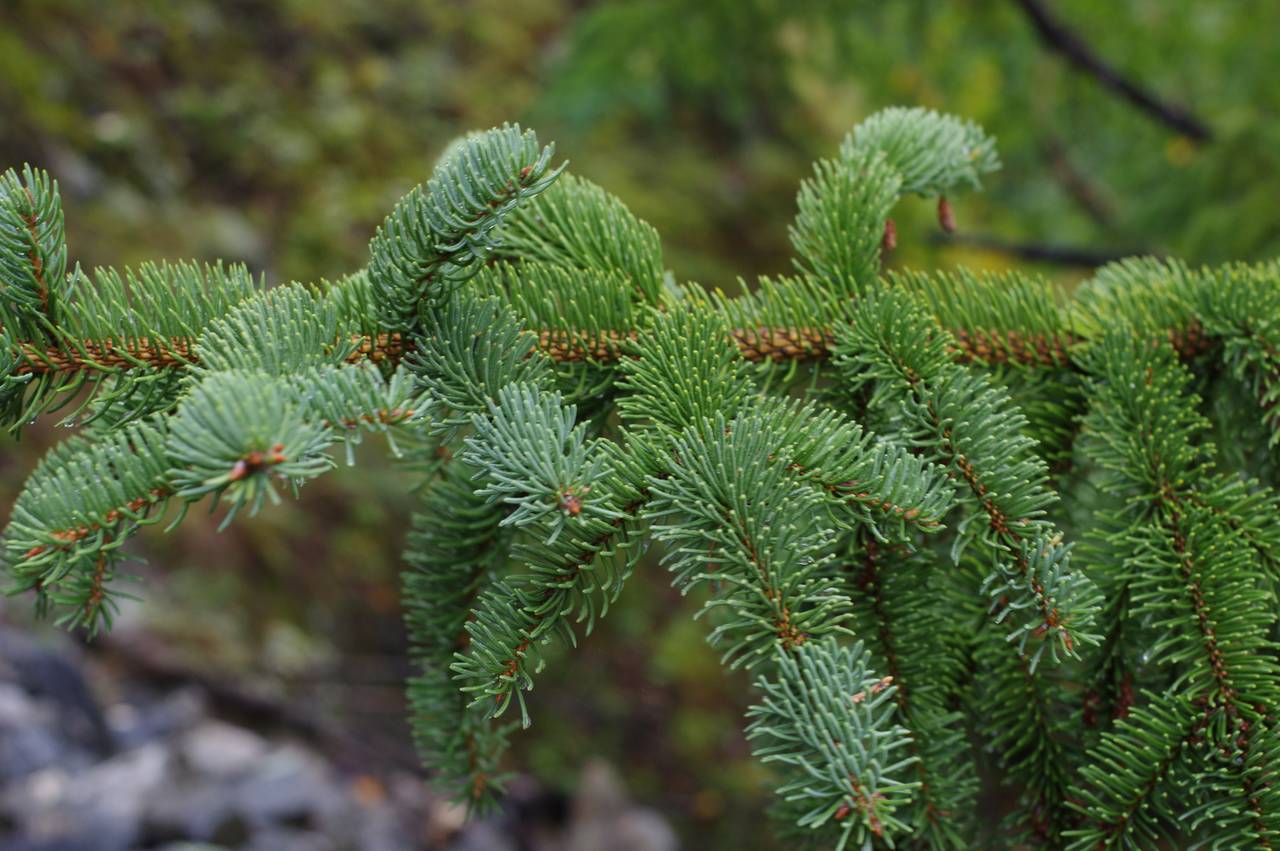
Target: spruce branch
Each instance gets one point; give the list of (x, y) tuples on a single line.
[(437, 236), (236, 437), (156, 308), (829, 723), (997, 318), (451, 555), (1183, 562), (78, 508), (469, 350), (932, 153), (33, 253), (919, 646), (535, 460), (352, 400), (1240, 306), (117, 335), (1020, 712), (756, 344), (573, 402), (576, 224), (1186, 561), (685, 371), (234, 434), (1038, 604), (890, 489), (732, 516), (106, 357), (1154, 297), (1131, 771), (840, 220), (1258, 786), (570, 303), (577, 578), (961, 421), (575, 506), (278, 332)]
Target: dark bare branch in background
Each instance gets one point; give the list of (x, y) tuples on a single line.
[(1058, 37), (1083, 188), (1061, 255)]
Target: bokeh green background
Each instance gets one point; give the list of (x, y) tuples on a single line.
[(279, 133)]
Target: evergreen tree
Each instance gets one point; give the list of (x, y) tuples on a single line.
[(877, 481)]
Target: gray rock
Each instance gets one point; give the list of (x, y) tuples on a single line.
[(29, 737), (217, 749), (604, 819), (121, 786), (52, 677), (101, 805), (17, 708), (25, 751), (193, 811), (277, 839), (482, 836), (290, 787), (137, 724), (61, 843)]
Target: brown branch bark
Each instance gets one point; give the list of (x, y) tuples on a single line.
[(754, 344)]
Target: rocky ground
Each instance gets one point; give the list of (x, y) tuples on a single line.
[(165, 768)]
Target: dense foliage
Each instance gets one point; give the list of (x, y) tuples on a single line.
[(875, 481)]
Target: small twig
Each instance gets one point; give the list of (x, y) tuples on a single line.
[(1089, 196), (1059, 38)]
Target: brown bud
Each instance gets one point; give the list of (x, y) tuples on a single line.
[(571, 504), (946, 216), (889, 241)]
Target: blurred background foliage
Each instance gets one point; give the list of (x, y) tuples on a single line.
[(279, 132)]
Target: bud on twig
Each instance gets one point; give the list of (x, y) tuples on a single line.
[(889, 241), (946, 217)]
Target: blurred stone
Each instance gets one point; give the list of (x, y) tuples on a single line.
[(16, 706), (23, 751), (482, 836), (217, 749), (52, 677), (377, 822), (445, 819), (604, 819), (29, 739), (100, 806), (231, 830), (290, 787), (193, 811), (182, 780), (61, 843), (289, 840), (78, 176), (136, 723), (121, 786)]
